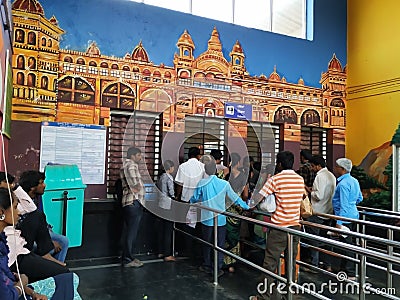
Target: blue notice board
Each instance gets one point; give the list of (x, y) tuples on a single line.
[(238, 111)]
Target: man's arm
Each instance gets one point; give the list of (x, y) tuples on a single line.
[(179, 183), (268, 188), (170, 188), (134, 178), (343, 201), (235, 197), (317, 192), (196, 195)]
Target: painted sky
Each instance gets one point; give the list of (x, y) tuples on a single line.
[(117, 26)]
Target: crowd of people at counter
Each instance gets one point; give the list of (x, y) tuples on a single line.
[(240, 188), (32, 255)]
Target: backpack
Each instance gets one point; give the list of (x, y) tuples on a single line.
[(118, 190)]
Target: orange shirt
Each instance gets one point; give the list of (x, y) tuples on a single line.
[(288, 188)]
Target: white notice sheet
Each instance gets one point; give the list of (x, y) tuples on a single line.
[(75, 144)]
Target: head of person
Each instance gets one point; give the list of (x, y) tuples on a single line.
[(285, 160), (32, 182), (8, 208), (168, 166), (248, 161), (235, 159), (317, 163), (134, 154), (305, 156), (217, 154), (6, 179), (343, 165), (194, 152), (210, 167)]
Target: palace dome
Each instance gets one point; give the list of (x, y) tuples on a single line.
[(185, 40), (53, 20), (140, 54), (334, 64), (93, 49), (237, 48), (31, 6), (214, 43), (274, 76)]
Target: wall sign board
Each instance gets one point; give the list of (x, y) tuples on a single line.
[(238, 111), (79, 144)]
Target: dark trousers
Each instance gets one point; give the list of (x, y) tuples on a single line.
[(277, 242), (319, 232), (164, 236), (132, 216), (208, 235), (34, 228), (64, 287), (37, 267), (345, 265), (185, 244)]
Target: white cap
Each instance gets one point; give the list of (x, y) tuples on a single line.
[(345, 163)]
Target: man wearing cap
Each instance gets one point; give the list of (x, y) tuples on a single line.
[(345, 199)]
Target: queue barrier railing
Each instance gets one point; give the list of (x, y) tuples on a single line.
[(362, 251)]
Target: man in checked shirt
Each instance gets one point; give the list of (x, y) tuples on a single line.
[(305, 170), (133, 194)]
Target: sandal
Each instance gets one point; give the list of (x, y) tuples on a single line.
[(169, 258)]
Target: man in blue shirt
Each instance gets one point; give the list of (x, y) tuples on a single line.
[(211, 192), (345, 199)]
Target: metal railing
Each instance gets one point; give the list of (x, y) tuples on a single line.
[(291, 285)]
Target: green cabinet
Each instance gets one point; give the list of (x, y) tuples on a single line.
[(63, 201)]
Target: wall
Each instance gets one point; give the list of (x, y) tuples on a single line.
[(118, 25), (373, 83), (5, 44)]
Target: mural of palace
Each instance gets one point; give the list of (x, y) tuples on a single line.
[(53, 84)]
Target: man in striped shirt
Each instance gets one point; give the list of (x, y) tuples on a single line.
[(288, 188)]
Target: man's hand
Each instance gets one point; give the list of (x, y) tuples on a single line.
[(37, 296), (57, 247), (21, 279)]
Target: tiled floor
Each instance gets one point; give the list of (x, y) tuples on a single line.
[(181, 280)]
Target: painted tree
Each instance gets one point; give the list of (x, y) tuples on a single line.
[(383, 199)]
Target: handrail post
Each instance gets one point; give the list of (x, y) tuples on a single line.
[(358, 239), (389, 269), (215, 248), (173, 239), (363, 270), (289, 267)]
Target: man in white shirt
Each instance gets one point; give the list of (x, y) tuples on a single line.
[(321, 200), (188, 176)]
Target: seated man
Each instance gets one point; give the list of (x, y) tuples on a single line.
[(33, 224), (13, 285), (32, 182)]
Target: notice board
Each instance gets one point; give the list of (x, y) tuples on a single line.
[(75, 144)]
